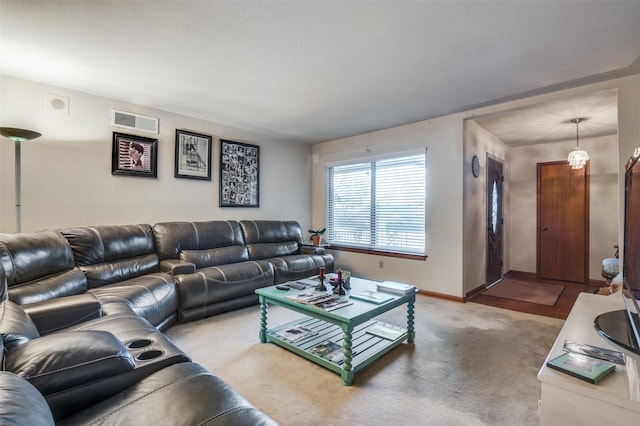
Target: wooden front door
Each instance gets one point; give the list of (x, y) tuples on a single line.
[(494, 221), (563, 222)]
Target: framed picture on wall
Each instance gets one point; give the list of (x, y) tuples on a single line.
[(193, 155), (134, 156), (239, 174)]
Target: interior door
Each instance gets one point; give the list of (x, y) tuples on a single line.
[(563, 222), (495, 179)]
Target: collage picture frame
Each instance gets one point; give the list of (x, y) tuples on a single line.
[(239, 174)]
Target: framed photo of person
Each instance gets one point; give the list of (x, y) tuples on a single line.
[(239, 174), (134, 156), (193, 155)]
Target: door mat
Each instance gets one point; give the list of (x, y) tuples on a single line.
[(524, 291)]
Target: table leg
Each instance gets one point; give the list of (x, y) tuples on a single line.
[(263, 320), (347, 372), (411, 333)]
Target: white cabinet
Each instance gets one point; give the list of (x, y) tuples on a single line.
[(567, 400)]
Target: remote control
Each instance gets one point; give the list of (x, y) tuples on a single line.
[(282, 287)]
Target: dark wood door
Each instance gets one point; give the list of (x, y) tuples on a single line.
[(495, 179), (563, 222)]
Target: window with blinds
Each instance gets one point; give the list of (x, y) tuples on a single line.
[(378, 205)]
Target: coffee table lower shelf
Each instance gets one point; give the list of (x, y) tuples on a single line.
[(365, 347)]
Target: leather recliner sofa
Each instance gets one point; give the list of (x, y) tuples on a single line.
[(231, 259), (93, 293), (114, 369)]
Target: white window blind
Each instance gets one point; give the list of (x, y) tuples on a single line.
[(378, 205)]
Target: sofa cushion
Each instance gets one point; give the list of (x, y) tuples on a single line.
[(271, 238), (62, 361), (108, 254), (172, 238), (99, 244), (232, 286), (152, 296), (16, 326), (215, 257), (120, 270), (299, 266), (21, 403), (39, 266), (184, 393)]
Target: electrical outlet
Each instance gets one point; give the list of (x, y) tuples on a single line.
[(381, 264)]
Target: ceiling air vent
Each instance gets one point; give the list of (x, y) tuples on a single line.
[(129, 120)]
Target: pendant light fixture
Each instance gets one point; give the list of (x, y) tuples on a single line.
[(578, 157)]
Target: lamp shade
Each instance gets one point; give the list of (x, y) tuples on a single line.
[(578, 158), (18, 135)]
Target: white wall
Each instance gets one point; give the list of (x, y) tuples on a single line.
[(480, 142), (442, 271), (603, 199), (66, 174), (447, 168)]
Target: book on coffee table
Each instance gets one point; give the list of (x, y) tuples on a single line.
[(583, 367), (372, 296), (396, 288)]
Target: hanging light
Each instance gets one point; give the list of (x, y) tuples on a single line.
[(578, 157)]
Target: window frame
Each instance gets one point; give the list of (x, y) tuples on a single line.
[(373, 249)]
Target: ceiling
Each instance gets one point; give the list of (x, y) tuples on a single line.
[(311, 71)]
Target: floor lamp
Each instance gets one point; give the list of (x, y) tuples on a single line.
[(18, 136)]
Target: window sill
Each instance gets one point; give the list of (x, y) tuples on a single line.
[(377, 252)]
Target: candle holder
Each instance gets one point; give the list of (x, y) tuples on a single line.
[(321, 286)]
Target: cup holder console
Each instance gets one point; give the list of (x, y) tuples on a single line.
[(145, 353), (148, 355), (137, 344)]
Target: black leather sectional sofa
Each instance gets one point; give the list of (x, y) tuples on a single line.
[(82, 312)]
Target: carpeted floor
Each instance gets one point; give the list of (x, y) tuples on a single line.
[(471, 364), (526, 291)]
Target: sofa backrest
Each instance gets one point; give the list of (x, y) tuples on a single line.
[(110, 254), (39, 266), (271, 238), (208, 243)]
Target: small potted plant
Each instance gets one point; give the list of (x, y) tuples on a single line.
[(315, 236)]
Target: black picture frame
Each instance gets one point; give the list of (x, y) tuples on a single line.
[(193, 155), (127, 160), (239, 174)]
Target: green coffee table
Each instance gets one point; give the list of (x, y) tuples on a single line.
[(350, 326)]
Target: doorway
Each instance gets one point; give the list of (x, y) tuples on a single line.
[(562, 222), (495, 222)]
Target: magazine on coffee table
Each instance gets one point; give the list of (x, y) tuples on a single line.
[(329, 350), (386, 331), (299, 285), (328, 302), (296, 333), (372, 296)]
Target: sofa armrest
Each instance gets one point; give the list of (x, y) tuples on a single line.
[(177, 266), (311, 250), (58, 314), (21, 403), (62, 361)]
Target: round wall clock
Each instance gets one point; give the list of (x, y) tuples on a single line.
[(475, 166)]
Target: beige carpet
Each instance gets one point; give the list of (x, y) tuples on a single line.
[(526, 291), (471, 364)]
